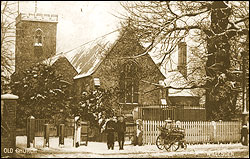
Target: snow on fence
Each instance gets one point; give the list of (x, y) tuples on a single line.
[(197, 131)]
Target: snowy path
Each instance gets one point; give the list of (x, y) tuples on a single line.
[(97, 149)]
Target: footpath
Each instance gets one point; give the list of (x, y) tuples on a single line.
[(99, 149)]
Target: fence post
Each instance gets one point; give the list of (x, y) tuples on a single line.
[(61, 134), (30, 131), (46, 135), (213, 131)]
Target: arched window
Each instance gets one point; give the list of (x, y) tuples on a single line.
[(129, 84), (38, 37), (38, 43)]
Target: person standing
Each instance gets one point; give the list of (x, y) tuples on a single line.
[(138, 133), (121, 129), (110, 130), (244, 135), (115, 126), (77, 137)]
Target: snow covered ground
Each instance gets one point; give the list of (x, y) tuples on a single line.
[(98, 149)]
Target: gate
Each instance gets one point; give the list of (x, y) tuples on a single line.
[(39, 126), (53, 127)]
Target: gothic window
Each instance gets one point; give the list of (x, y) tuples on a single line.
[(38, 37), (38, 43), (129, 84)]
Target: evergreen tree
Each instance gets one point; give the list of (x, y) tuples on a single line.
[(94, 105), (42, 93)]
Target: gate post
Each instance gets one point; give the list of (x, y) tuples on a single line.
[(8, 125), (213, 131), (46, 135), (61, 134), (84, 132), (30, 131)]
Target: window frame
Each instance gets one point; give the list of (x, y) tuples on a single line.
[(38, 37), (129, 74)]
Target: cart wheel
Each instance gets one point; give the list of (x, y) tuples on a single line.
[(173, 146), (167, 144), (185, 145), (160, 142)]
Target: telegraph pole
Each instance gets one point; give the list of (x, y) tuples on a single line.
[(243, 81), (18, 8), (35, 6), (244, 89)]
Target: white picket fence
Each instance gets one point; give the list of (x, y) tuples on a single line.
[(197, 131)]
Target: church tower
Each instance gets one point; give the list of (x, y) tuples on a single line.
[(35, 39)]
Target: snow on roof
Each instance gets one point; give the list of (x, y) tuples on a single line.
[(89, 69), (53, 59), (9, 96), (86, 58), (176, 79), (173, 77), (178, 92)]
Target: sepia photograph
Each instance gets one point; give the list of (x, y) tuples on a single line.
[(124, 79)]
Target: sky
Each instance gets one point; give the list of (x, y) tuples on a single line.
[(79, 21)]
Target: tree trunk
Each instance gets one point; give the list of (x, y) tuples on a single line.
[(219, 61)]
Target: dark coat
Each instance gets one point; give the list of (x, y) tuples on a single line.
[(121, 127), (244, 132), (110, 126)]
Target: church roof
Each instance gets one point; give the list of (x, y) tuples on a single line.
[(86, 58)]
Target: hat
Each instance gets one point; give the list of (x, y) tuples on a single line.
[(168, 121)]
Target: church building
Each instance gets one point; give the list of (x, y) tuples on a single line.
[(119, 64)]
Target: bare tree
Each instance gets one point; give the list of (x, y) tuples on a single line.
[(8, 14), (213, 27)]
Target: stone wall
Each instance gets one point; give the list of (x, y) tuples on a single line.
[(25, 39), (63, 67)]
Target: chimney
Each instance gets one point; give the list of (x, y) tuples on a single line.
[(182, 58)]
